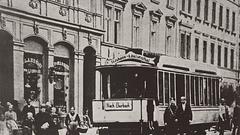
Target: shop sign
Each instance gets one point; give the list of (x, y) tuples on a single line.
[(131, 56), (32, 60), (124, 105), (60, 63)]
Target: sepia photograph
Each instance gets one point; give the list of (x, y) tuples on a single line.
[(119, 67)]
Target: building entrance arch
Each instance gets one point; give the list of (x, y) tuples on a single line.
[(6, 67), (89, 77)]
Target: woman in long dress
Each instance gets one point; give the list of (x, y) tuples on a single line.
[(3, 125)]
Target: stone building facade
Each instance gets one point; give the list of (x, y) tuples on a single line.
[(49, 48)]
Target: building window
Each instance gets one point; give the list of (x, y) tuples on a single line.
[(206, 10), (204, 51), (138, 10), (214, 12), (188, 46), (182, 53), (233, 21), (117, 26), (186, 5), (136, 30), (153, 36), (219, 55), (196, 48), (227, 18), (221, 16), (232, 59), (212, 53), (108, 22), (225, 57), (183, 5), (198, 8), (60, 1), (189, 6), (169, 40), (171, 4), (185, 45)]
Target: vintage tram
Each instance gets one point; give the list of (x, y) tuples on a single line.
[(135, 91)]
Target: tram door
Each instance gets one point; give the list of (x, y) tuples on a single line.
[(180, 87)]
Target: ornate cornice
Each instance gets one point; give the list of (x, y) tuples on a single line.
[(139, 7)]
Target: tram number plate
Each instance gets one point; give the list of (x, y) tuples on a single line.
[(125, 105)]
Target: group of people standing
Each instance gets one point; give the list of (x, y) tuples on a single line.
[(45, 122), (227, 120), (177, 118)]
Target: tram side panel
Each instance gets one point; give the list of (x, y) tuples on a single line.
[(121, 111), (201, 116)]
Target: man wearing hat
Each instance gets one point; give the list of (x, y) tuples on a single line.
[(42, 121), (170, 118), (184, 116)]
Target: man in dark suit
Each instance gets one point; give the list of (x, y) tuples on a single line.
[(43, 122), (28, 108), (184, 116)]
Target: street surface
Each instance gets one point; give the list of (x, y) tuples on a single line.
[(93, 131)]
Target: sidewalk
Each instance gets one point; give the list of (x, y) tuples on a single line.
[(91, 131), (227, 132)]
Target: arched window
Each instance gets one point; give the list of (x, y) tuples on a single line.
[(63, 60), (34, 63)]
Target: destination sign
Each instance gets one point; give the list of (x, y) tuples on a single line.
[(131, 56), (125, 105)]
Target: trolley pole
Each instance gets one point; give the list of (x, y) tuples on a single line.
[(141, 119)]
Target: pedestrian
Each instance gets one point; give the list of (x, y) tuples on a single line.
[(3, 125), (170, 118), (16, 109), (28, 124), (184, 116), (54, 122), (2, 111), (42, 121), (11, 120), (72, 122), (223, 116), (28, 108), (48, 107), (87, 119), (236, 120)]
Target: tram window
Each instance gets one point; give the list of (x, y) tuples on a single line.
[(104, 86), (161, 87), (197, 90), (192, 90), (205, 93), (187, 88), (214, 91), (166, 79), (172, 85), (217, 91), (209, 91), (201, 91)]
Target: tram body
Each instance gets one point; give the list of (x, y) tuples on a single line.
[(134, 92)]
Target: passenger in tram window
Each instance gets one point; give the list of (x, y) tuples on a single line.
[(223, 117), (184, 116), (236, 120), (170, 118)]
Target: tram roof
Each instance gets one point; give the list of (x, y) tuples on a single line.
[(126, 66)]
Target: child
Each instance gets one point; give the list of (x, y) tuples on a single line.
[(28, 124)]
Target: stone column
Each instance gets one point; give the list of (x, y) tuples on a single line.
[(50, 64), (18, 70)]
